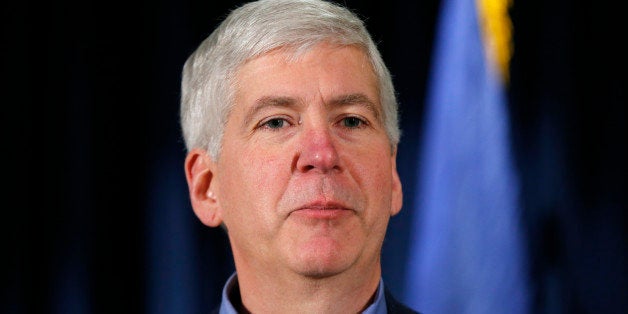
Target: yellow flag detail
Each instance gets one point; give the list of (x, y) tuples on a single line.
[(496, 28)]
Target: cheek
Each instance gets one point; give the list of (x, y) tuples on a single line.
[(264, 173), (250, 184), (375, 178), (374, 166)]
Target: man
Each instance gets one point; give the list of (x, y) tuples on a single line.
[(290, 120)]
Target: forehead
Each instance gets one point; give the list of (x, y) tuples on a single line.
[(326, 71)]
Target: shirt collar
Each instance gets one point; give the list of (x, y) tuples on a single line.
[(226, 307)]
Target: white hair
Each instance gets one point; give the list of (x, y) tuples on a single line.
[(252, 30)]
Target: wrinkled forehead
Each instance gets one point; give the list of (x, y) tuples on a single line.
[(294, 53), (288, 65)]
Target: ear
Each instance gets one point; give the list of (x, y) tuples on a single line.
[(199, 172), (397, 193)]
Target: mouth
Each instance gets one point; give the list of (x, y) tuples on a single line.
[(322, 210)]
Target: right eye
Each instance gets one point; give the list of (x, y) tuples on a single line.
[(274, 123)]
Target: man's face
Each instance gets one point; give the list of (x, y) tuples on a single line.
[(306, 181)]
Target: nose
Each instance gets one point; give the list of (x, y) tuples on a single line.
[(318, 151)]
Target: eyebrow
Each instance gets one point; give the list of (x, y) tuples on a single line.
[(355, 99), (287, 102), (265, 102)]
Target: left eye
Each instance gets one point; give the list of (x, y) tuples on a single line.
[(352, 122)]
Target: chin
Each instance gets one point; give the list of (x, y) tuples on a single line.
[(323, 262), (321, 271)]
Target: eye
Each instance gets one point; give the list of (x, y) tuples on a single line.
[(353, 122), (274, 123)]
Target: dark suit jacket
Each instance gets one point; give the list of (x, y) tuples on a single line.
[(395, 307)]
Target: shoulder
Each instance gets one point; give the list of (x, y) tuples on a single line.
[(395, 307)]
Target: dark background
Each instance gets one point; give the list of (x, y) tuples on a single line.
[(96, 217)]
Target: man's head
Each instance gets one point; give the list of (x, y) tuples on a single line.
[(255, 29), (290, 119)]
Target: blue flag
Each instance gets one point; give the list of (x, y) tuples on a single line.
[(467, 252)]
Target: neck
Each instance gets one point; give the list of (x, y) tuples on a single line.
[(349, 292)]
